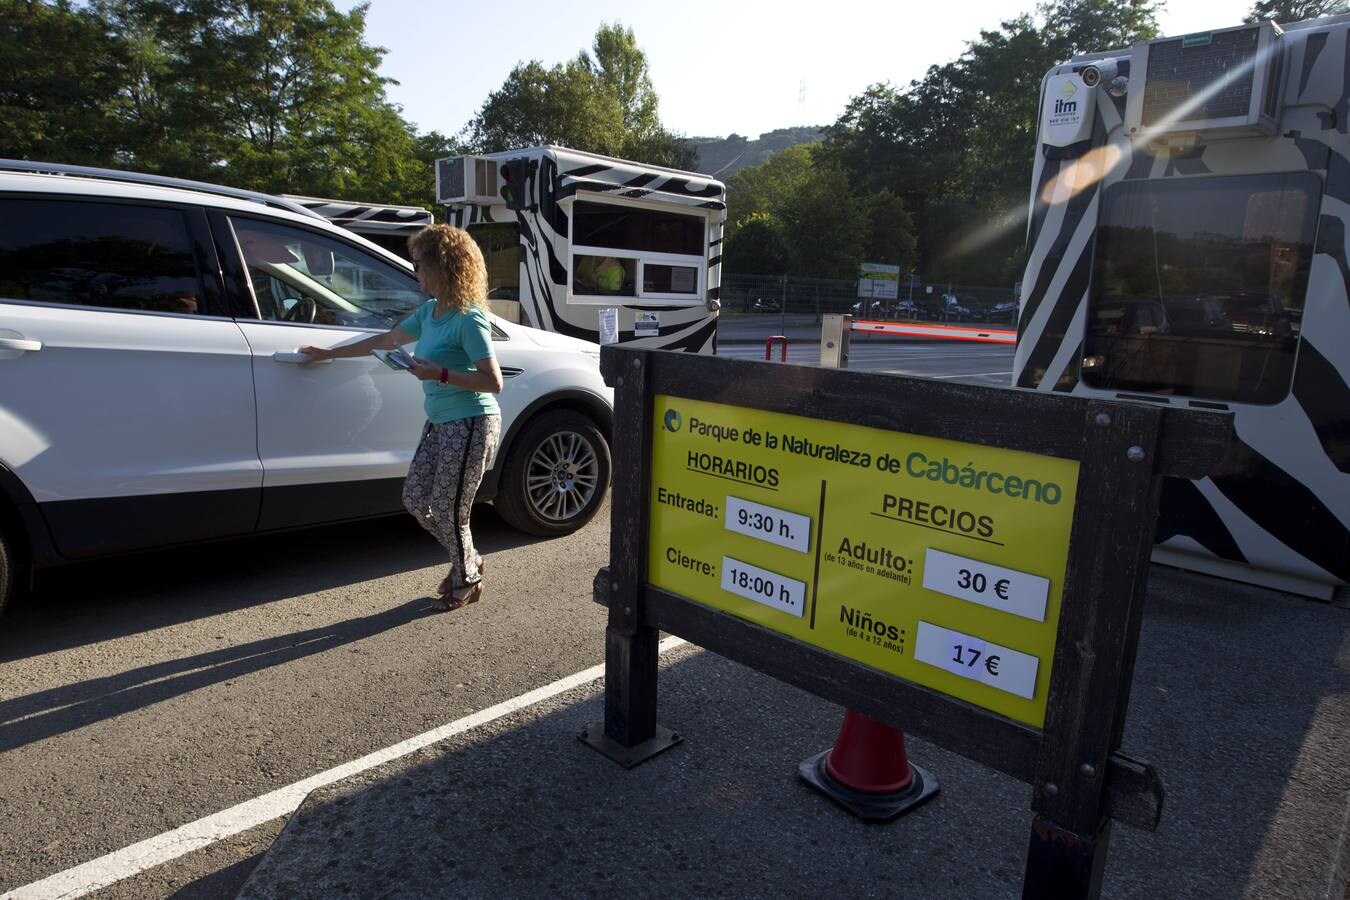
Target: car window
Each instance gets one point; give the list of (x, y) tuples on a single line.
[(87, 253), (299, 276)]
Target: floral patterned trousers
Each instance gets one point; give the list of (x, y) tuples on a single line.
[(441, 484)]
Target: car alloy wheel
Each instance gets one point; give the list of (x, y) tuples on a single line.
[(562, 476), (555, 474)]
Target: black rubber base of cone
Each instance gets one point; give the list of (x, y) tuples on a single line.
[(870, 807), (595, 736)]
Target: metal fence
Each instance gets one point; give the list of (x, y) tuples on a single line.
[(795, 295)]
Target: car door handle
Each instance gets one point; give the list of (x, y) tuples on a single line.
[(294, 357), (20, 344)]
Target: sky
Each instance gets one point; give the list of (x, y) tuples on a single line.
[(718, 66)]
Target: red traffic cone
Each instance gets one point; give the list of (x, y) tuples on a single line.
[(868, 772), (869, 756)]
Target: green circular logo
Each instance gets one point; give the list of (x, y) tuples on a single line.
[(673, 420)]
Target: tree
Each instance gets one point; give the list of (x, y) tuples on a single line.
[(759, 246), (1286, 11), (603, 104), (536, 106), (275, 95), (62, 78), (890, 233), (959, 143), (768, 187), (824, 225), (621, 68), (279, 94)]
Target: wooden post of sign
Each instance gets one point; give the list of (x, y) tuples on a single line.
[(629, 735), (1107, 557)]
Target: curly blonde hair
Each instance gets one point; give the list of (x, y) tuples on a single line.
[(454, 269)]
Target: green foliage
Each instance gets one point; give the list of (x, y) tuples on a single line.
[(801, 204), (958, 145), (273, 95), (890, 232), (1286, 11), (825, 226), (767, 188), (760, 245), (61, 82), (599, 104)]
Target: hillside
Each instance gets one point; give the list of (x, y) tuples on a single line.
[(721, 157)]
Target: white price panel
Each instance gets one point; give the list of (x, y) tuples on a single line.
[(777, 526), (984, 583), (762, 586), (977, 659)]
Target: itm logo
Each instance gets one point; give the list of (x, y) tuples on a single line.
[(1065, 104), (673, 420)]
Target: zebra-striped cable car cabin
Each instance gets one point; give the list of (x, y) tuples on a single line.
[(1187, 245), (387, 225), (568, 234)]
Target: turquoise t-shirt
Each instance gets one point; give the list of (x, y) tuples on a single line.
[(456, 341)]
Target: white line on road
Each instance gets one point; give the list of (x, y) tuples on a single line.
[(106, 870), (970, 375)]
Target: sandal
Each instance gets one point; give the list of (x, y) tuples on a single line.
[(447, 584), (448, 602)]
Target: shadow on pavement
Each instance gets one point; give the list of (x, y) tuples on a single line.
[(224, 883), (34, 717), (1240, 701), (86, 603)]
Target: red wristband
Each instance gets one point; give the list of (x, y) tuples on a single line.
[(445, 376)]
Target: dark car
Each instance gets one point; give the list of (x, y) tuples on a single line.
[(1003, 311), (766, 304), (953, 309)]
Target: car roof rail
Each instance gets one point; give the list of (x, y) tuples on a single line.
[(44, 168)]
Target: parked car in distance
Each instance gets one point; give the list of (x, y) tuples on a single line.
[(953, 309), (767, 305), (153, 394), (1004, 311), (877, 309)]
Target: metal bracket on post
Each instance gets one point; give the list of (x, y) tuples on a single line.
[(836, 336)]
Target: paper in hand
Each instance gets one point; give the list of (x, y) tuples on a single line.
[(395, 359)]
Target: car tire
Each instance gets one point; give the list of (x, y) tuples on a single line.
[(555, 474), (8, 567)]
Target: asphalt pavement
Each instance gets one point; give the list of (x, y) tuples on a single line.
[(1241, 700)]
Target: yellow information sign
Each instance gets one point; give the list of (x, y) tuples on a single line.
[(938, 561)]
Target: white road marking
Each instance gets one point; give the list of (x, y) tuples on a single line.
[(971, 375), (146, 854)]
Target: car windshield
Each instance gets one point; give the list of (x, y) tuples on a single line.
[(348, 286)]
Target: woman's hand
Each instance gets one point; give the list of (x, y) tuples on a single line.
[(315, 354), (425, 371)]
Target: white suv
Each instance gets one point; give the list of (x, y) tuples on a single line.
[(151, 391)]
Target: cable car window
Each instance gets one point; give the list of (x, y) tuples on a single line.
[(634, 228), (1198, 285), (500, 243)]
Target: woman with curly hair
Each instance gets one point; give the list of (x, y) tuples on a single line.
[(460, 376)]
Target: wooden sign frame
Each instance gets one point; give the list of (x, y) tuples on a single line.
[(1081, 782)]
